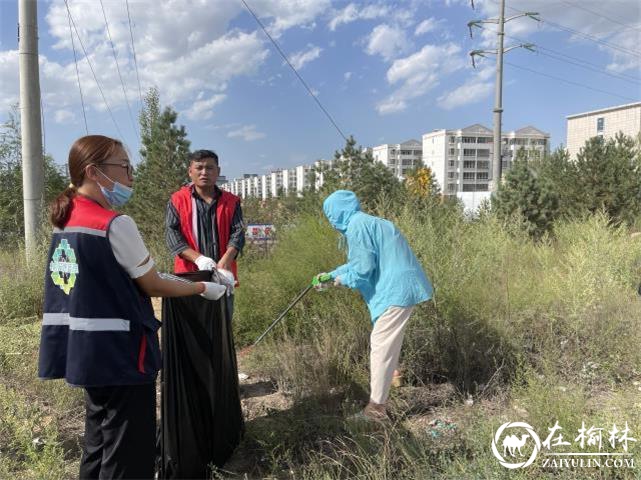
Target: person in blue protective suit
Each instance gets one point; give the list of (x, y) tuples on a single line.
[(98, 326), (383, 268)]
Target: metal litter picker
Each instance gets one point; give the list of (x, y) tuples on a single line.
[(317, 283)]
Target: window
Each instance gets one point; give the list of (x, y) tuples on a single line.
[(451, 175), (469, 139), (452, 139), (481, 176), (468, 187), (468, 175), (485, 140), (469, 152), (483, 165), (483, 152), (406, 152), (469, 164), (407, 161), (451, 187), (451, 163), (600, 124), (418, 152), (452, 151), (481, 187)]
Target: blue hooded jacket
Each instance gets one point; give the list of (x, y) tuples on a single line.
[(380, 263)]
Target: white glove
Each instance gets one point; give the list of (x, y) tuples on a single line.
[(227, 278), (205, 263), (213, 291)]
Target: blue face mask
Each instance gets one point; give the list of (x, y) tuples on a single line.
[(119, 195)]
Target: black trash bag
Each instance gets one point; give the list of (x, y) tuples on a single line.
[(202, 421)]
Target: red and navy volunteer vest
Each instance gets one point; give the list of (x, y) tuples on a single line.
[(185, 204), (98, 329)]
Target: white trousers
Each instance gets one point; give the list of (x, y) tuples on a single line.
[(386, 340)]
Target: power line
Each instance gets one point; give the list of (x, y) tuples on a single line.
[(574, 61), (75, 60), (592, 38), (588, 67), (601, 15), (282, 54), (571, 82), (587, 36), (133, 49), (113, 49), (93, 72)]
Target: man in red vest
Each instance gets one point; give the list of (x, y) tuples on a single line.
[(204, 224)]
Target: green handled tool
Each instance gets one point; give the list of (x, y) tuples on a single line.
[(316, 282)]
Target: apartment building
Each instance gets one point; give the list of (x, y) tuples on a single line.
[(461, 160), (400, 158), (606, 122)]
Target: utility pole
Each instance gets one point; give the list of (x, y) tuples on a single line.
[(31, 133), (497, 160)]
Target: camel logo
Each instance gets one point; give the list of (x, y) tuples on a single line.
[(64, 267), (514, 445)]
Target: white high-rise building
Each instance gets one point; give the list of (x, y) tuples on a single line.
[(399, 158), (265, 186), (606, 123), (461, 160), (289, 180), (303, 173), (276, 182)]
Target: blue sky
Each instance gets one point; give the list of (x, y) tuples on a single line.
[(386, 71)]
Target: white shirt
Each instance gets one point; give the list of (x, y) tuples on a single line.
[(129, 249)]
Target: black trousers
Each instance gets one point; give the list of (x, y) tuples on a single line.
[(120, 432)]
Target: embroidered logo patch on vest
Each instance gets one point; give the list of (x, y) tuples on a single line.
[(63, 266)]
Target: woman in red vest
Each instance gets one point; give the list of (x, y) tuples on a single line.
[(98, 329)]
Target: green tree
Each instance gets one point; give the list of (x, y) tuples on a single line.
[(11, 202), (528, 197), (353, 169), (606, 176), (163, 167)]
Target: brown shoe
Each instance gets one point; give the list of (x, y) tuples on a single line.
[(376, 412)]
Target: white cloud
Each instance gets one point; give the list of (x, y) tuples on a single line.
[(353, 12), (419, 73), (299, 59), (426, 26), (286, 14), (202, 108), (473, 90), (64, 116), (592, 17), (347, 76), (247, 133), (387, 41), (184, 48)]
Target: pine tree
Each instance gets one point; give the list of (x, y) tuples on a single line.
[(606, 176), (528, 197), (353, 169), (163, 168)]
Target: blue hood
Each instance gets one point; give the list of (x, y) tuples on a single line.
[(339, 208)]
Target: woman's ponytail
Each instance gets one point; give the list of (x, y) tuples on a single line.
[(60, 208)]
